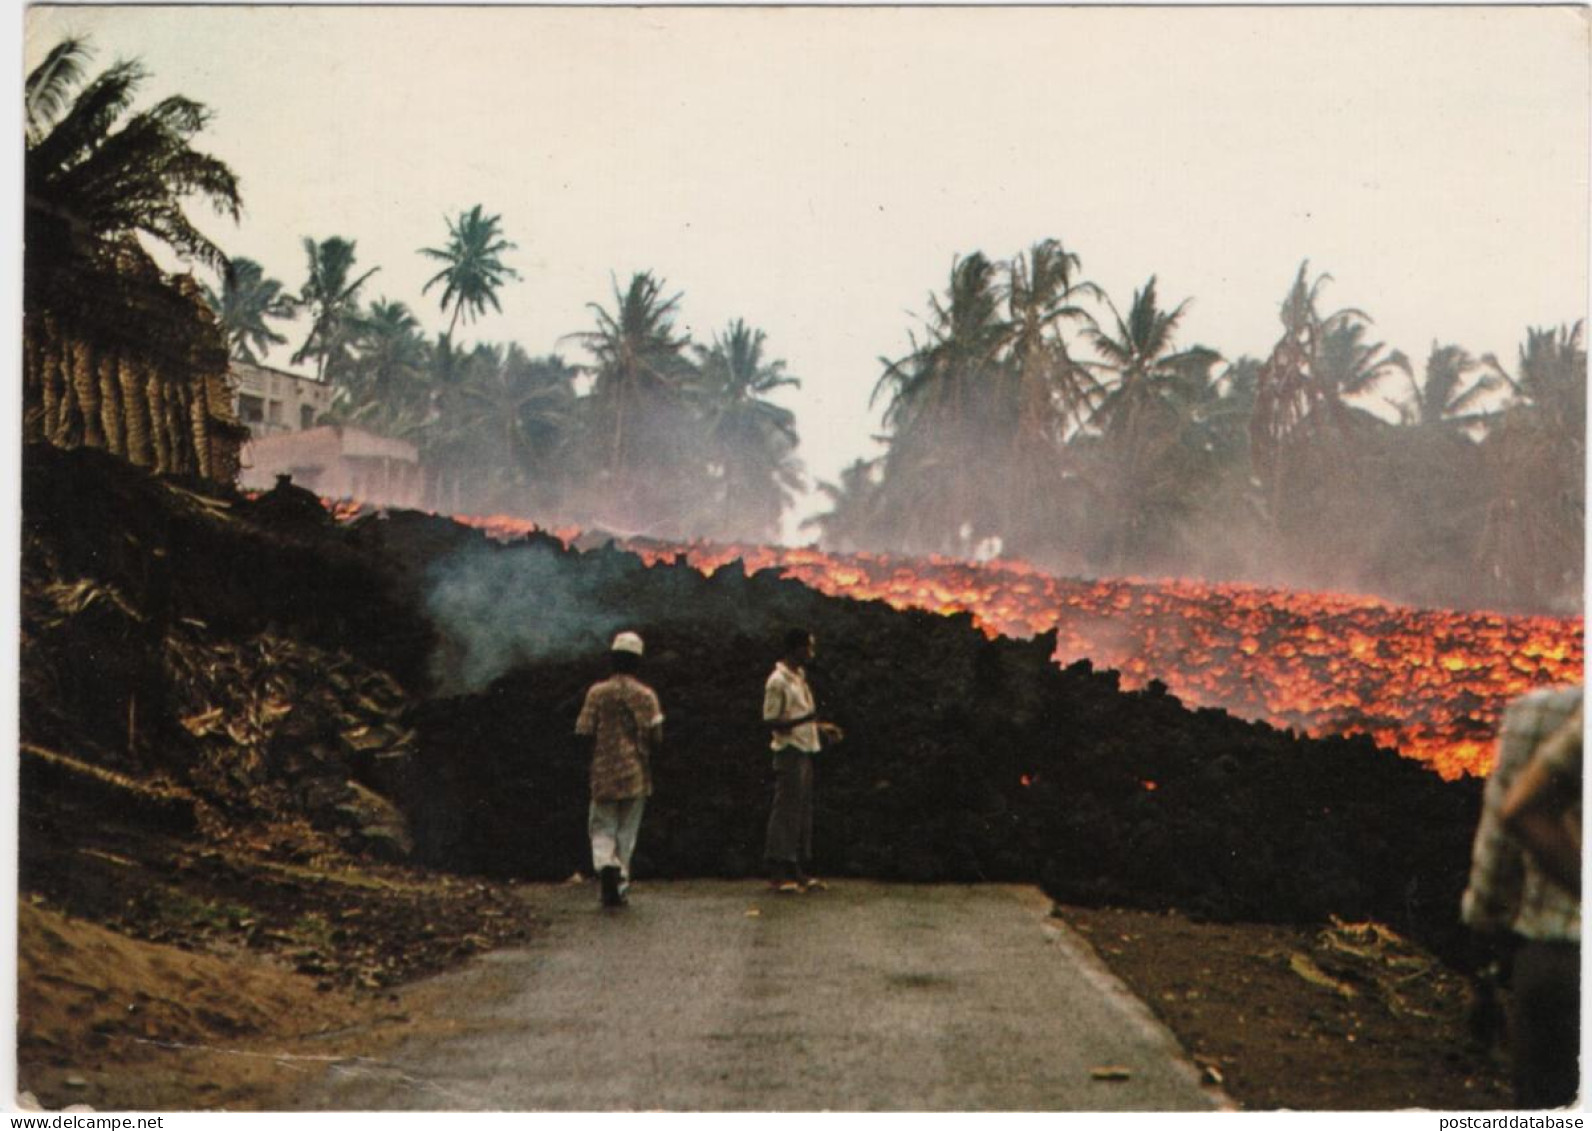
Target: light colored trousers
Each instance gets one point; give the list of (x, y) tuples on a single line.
[(613, 826)]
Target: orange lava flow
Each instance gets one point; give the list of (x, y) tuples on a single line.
[(1430, 683)]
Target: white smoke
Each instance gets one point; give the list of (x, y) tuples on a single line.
[(495, 609)]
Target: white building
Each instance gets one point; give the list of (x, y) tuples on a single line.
[(272, 401), (338, 462)]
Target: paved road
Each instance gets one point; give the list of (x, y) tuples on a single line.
[(721, 996)]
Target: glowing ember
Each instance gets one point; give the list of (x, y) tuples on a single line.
[(1431, 683), (343, 510)]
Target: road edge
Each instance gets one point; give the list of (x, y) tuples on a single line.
[(1132, 1007)]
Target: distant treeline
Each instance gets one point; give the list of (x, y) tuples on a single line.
[(1031, 417)]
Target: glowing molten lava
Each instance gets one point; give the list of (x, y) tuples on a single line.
[(1431, 683)]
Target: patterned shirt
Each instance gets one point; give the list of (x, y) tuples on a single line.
[(1507, 888), (625, 719), (1561, 757), (786, 695)]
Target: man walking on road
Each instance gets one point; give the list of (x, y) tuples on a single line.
[(791, 714), (623, 719)]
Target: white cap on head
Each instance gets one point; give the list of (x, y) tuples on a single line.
[(627, 642)]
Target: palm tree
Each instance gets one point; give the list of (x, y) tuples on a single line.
[(501, 424), (118, 354), (246, 300), (385, 385), (474, 271), (1452, 389), (1285, 393), (850, 523), (965, 335), (1145, 415), (1052, 388), (392, 349), (1043, 395), (752, 439), (1347, 366), (938, 470), (333, 303), (47, 89), (1534, 537), (89, 180), (642, 434), (1144, 368), (1553, 375), (1303, 422), (1225, 406), (1320, 360)]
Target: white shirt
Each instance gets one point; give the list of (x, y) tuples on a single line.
[(787, 696)]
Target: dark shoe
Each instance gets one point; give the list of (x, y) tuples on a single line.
[(610, 884)]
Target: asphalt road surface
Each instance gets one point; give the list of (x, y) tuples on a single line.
[(715, 995)]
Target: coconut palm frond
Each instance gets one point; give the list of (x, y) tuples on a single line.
[(48, 87)]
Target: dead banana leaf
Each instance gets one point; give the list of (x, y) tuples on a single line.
[(203, 723), (1306, 968), (365, 738)]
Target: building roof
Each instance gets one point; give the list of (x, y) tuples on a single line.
[(242, 368)]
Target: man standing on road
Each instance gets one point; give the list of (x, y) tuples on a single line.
[(791, 715), (1514, 890), (624, 721)]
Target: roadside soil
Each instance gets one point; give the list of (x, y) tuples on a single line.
[(156, 973), (1344, 1017), (1348, 1017)]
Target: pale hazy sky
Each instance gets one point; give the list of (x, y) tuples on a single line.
[(815, 170)]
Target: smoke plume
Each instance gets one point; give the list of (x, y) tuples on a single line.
[(495, 609)]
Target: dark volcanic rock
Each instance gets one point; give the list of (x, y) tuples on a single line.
[(1130, 798)]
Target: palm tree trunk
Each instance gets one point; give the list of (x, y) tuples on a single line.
[(172, 437), (135, 402), (70, 432), (69, 429), (58, 380), (159, 442), (49, 391), (224, 445), (199, 421), (34, 409), (179, 409), (111, 415), (85, 380), (617, 459)]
